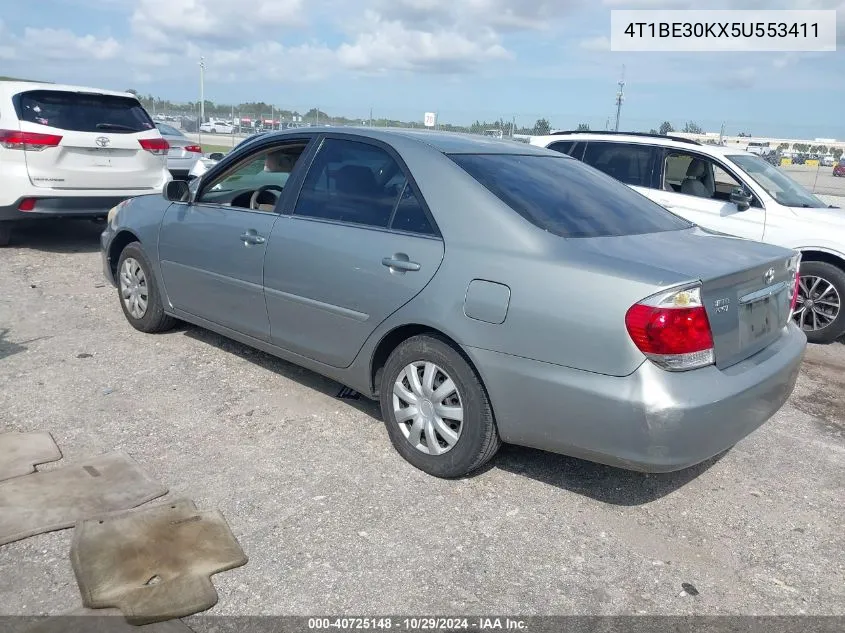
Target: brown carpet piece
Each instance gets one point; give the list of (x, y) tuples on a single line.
[(101, 621), (58, 498), (155, 563), (21, 452)]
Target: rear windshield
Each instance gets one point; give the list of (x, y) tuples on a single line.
[(168, 130), (567, 197), (82, 112)]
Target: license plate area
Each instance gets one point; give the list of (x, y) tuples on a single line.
[(761, 317)]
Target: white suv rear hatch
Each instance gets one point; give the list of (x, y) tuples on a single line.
[(93, 141)]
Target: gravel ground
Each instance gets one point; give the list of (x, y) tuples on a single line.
[(334, 521)]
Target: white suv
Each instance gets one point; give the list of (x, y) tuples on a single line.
[(71, 151), (733, 192), (217, 127)]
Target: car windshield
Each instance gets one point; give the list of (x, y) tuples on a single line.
[(82, 112), (777, 184), (567, 197)]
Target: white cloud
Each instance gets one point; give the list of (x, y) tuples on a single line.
[(390, 44), (57, 45), (598, 43), (162, 21)]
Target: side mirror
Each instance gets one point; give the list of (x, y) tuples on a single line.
[(176, 191), (216, 156), (741, 198)]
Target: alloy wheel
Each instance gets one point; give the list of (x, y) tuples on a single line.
[(817, 305)]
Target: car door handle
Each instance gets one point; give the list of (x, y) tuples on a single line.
[(251, 237), (400, 262)]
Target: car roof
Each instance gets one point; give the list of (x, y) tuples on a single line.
[(16, 87), (644, 139), (446, 142)]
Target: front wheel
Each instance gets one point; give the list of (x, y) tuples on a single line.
[(436, 410), (818, 309), (138, 292)]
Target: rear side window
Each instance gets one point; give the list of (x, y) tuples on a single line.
[(564, 147), (632, 164), (566, 197), (80, 112), (360, 183)]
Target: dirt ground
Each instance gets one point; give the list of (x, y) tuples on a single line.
[(334, 521)]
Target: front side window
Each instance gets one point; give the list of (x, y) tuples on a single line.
[(777, 184), (264, 173), (627, 162), (82, 112), (698, 176), (351, 182), (566, 197)]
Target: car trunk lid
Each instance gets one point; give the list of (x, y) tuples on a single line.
[(746, 286)]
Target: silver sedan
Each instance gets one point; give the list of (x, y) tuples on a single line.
[(183, 153), (483, 291)]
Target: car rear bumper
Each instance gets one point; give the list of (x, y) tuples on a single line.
[(652, 420), (67, 206)]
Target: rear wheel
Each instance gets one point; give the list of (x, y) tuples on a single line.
[(139, 296), (436, 410), (5, 233), (818, 309)]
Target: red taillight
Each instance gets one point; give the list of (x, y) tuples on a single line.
[(193, 148), (157, 146), (27, 204), (672, 329), (29, 141)]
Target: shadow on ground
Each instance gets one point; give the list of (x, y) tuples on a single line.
[(57, 235), (7, 347), (602, 483)]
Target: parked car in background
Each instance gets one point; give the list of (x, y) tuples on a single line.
[(206, 162), (737, 193), (839, 168), (827, 161), (73, 151), (183, 153), (558, 309), (217, 127)]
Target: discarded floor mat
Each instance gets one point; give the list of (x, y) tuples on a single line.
[(101, 621), (20, 453), (155, 563), (58, 498)]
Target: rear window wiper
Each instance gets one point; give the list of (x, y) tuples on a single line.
[(115, 126)]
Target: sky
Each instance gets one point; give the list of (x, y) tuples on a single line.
[(464, 59)]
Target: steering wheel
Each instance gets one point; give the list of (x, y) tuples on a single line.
[(253, 201)]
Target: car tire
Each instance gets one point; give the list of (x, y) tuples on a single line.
[(5, 233), (477, 436), (834, 276), (214, 130), (134, 273)]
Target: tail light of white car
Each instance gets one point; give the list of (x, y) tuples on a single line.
[(28, 141), (197, 149), (672, 329), (157, 146)]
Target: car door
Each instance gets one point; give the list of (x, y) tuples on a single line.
[(698, 188), (212, 248), (358, 245)]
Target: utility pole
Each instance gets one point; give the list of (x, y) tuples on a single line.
[(620, 97), (721, 133), (513, 126), (371, 117), (202, 100)]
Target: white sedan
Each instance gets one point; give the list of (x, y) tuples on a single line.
[(217, 127)]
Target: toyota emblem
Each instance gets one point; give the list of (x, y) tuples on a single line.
[(102, 141), (769, 277)]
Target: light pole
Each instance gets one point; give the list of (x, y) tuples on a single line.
[(620, 97), (202, 99)]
